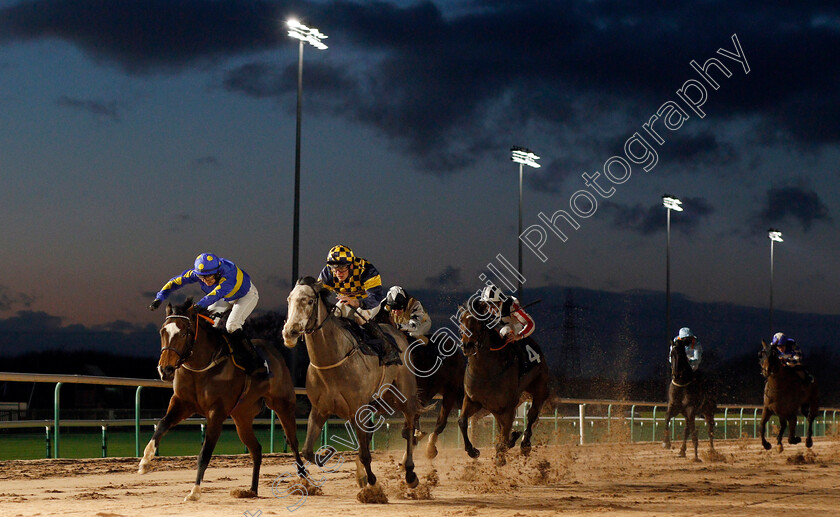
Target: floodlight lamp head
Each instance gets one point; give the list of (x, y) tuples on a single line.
[(775, 235), (310, 35), (524, 156), (672, 203)]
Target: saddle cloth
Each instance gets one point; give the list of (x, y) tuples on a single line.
[(368, 344)]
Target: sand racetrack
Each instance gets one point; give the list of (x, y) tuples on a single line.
[(615, 480)]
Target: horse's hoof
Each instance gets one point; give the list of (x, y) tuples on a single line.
[(766, 445), (362, 481), (145, 466), (666, 445), (309, 456), (682, 454), (513, 437), (411, 480), (697, 460), (431, 452), (473, 453), (794, 440), (241, 493), (809, 442), (526, 449), (194, 495), (501, 461)]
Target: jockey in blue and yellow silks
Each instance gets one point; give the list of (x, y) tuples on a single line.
[(225, 286), (233, 283), (357, 285)]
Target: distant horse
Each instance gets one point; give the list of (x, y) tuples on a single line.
[(341, 381), (690, 395), (207, 382), (785, 395), (492, 381), (446, 378)]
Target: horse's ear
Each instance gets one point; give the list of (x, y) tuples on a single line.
[(169, 309), (763, 344)]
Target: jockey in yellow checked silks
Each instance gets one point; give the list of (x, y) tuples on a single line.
[(359, 290)]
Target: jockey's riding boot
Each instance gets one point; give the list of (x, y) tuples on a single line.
[(391, 354), (254, 364)]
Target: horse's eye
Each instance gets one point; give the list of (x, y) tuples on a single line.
[(310, 302)]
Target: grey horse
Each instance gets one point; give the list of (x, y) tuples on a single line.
[(342, 381)]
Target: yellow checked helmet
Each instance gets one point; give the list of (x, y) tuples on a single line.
[(340, 256)]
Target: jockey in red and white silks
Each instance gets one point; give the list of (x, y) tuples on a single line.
[(516, 323)]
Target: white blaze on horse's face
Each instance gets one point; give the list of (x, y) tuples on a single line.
[(172, 337), (301, 303)]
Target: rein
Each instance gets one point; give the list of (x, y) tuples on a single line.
[(316, 328), (188, 350)]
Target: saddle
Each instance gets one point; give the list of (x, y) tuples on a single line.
[(368, 343)]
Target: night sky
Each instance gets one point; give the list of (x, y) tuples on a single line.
[(136, 134)]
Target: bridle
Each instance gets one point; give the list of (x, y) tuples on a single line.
[(314, 315), (316, 326), (184, 356)]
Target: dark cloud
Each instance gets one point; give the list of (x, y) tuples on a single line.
[(206, 162), (10, 299), (450, 277), (120, 326), (793, 204), (102, 110), (650, 219), (148, 36), (36, 331), (30, 321), (448, 81)]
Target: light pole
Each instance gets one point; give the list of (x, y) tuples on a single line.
[(670, 203), (313, 37), (775, 236), (523, 157)]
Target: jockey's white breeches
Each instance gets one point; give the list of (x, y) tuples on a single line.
[(241, 308)]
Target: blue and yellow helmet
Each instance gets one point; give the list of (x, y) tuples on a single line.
[(207, 264), (340, 255)]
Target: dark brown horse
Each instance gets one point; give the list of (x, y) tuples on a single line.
[(785, 395), (492, 381), (436, 375), (206, 381), (689, 394)]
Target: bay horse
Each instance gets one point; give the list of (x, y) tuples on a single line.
[(689, 394), (344, 382), (785, 395), (492, 381), (193, 355), (445, 377)]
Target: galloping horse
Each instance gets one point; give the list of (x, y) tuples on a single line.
[(492, 381), (689, 395), (446, 379), (785, 395), (341, 381), (207, 382)]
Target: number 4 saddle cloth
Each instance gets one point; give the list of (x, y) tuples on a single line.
[(530, 355)]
